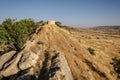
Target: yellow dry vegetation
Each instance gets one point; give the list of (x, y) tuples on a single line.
[(74, 44)]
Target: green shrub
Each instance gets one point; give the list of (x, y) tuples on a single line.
[(6, 49), (91, 51), (40, 42), (58, 23), (116, 65)]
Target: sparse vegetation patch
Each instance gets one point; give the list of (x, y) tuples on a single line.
[(40, 42), (91, 51), (116, 66)]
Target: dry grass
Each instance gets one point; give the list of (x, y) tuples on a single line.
[(74, 45)]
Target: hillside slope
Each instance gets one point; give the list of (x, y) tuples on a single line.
[(53, 53)]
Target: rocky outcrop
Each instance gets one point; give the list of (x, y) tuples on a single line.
[(14, 62), (22, 65), (59, 69), (6, 58)]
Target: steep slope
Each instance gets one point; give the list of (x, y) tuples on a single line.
[(53, 53)]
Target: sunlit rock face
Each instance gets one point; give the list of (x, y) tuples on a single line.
[(59, 69)]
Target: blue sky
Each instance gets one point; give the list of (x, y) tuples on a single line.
[(69, 12)]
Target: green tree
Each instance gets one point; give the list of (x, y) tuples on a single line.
[(15, 33), (21, 31)]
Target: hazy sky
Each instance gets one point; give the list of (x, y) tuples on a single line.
[(69, 12)]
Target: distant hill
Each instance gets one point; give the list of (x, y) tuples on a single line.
[(108, 29)]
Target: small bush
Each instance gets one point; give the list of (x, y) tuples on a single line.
[(91, 51), (58, 24), (116, 65), (40, 42)]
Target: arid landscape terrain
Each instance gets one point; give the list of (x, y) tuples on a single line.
[(55, 53), (59, 39)]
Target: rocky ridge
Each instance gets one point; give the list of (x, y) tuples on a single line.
[(21, 65), (52, 53)]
